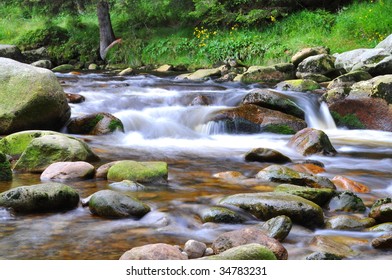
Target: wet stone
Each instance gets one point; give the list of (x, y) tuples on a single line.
[(323, 256), (311, 141), (278, 227), (159, 251), (327, 244), (219, 214), (346, 222), (382, 210), (320, 196), (266, 155), (251, 251), (383, 242), (348, 202), (382, 227), (194, 249)]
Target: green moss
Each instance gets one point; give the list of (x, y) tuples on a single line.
[(116, 125), (278, 129), (350, 121), (5, 168)]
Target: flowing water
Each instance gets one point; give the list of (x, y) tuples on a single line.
[(160, 125)]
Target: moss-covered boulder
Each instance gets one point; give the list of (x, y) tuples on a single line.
[(278, 227), (273, 100), (269, 74), (219, 214), (251, 251), (359, 59), (346, 222), (5, 168), (31, 98), (348, 79), (268, 205), (378, 87), (322, 64), (64, 68), (141, 172), (382, 210), (311, 141), (382, 227), (320, 196), (300, 85), (346, 201), (285, 175), (307, 52), (46, 197), (112, 204), (95, 124), (47, 149)]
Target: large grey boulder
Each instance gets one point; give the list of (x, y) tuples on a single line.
[(378, 87), (322, 64), (386, 44), (31, 98), (359, 59)]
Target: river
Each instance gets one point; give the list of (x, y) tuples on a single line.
[(160, 125)]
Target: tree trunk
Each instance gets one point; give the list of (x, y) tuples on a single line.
[(106, 34)]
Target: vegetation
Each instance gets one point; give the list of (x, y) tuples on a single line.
[(196, 33)]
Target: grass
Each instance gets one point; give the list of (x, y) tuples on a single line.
[(360, 25)]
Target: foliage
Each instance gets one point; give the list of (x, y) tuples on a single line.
[(48, 35)]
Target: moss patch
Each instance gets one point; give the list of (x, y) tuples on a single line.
[(278, 129), (350, 121)]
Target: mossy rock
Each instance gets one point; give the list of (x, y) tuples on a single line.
[(5, 168), (95, 124), (219, 214), (311, 141), (141, 172), (278, 227), (268, 205), (348, 202), (251, 251), (46, 197), (382, 227), (382, 210), (111, 204), (320, 196), (64, 68), (346, 222), (300, 85)]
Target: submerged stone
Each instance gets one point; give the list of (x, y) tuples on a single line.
[(278, 227), (311, 141), (320, 196), (266, 155), (346, 222), (382, 210)]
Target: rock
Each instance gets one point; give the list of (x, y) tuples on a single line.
[(348, 79), (93, 67), (286, 175), (164, 68), (307, 52), (102, 171), (269, 205), (111, 204), (200, 100), (266, 155), (251, 251), (382, 67), (219, 214), (75, 98), (278, 227), (308, 168), (320, 196), (141, 172), (12, 52), (245, 236), (64, 68), (382, 227), (127, 72), (158, 251), (36, 55), (127, 185), (322, 64), (95, 124), (43, 63), (311, 141), (348, 202), (203, 74), (31, 98), (300, 85), (359, 58), (378, 87), (346, 222), (47, 149), (66, 171), (194, 249), (47, 197), (330, 245), (269, 74), (386, 44), (323, 256), (273, 100), (5, 168), (250, 118), (349, 185), (365, 113), (383, 242), (381, 210)]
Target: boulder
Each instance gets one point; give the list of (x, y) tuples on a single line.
[(36, 55), (47, 149), (382, 227), (127, 185), (12, 52), (141, 172), (360, 58), (283, 174), (273, 100), (348, 79), (378, 87), (269, 205), (112, 204), (348, 202), (308, 167), (322, 64), (43, 63), (346, 222), (269, 74), (64, 68), (332, 245), (386, 44), (200, 100), (203, 74), (5, 168), (311, 141), (220, 214), (32, 98), (164, 68), (251, 118), (95, 124), (245, 236), (194, 249), (127, 72), (158, 251), (47, 197), (382, 67), (67, 171), (75, 98), (278, 227), (102, 171), (251, 251), (383, 242), (307, 52), (323, 256), (266, 155), (349, 185), (320, 196), (300, 85), (382, 210)]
